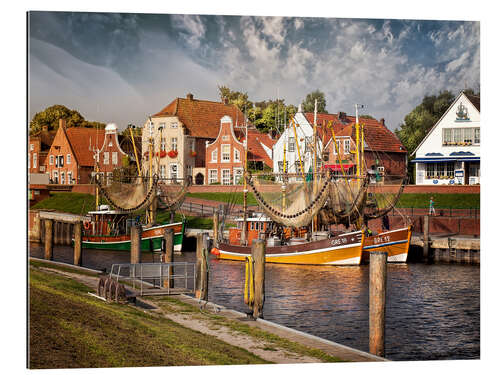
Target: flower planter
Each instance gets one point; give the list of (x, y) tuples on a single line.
[(172, 153), (193, 153)]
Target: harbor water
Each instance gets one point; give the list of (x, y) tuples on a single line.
[(432, 311)]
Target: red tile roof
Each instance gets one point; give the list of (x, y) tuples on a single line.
[(255, 150), (201, 117), (46, 138), (81, 140), (377, 136)]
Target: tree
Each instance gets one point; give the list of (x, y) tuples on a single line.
[(308, 102), (50, 117), (236, 98)]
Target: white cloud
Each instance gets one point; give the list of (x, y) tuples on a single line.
[(192, 26), (457, 63), (273, 27), (298, 23)]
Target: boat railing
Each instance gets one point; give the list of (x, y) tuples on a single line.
[(156, 278)]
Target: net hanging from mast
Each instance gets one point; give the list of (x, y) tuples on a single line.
[(172, 195), (291, 200), (130, 196)]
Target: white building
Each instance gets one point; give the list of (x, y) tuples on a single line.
[(288, 141), (450, 152)]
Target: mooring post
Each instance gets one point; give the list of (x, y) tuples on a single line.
[(168, 235), (426, 237), (77, 250), (378, 283), (216, 227), (135, 244), (201, 287), (48, 239), (259, 258)]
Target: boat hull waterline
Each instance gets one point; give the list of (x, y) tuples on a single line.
[(340, 250), (151, 239)]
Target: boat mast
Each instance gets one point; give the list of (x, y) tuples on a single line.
[(149, 216), (283, 187), (313, 222), (135, 152)]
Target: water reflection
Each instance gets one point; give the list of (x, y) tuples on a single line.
[(432, 310)]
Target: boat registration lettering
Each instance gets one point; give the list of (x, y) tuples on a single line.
[(381, 239), (339, 241)]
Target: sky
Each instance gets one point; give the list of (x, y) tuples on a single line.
[(123, 67)]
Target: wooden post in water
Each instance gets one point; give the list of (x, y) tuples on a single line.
[(48, 238), (135, 244), (426, 237), (216, 227), (378, 282), (259, 258), (77, 251), (201, 287), (168, 235)]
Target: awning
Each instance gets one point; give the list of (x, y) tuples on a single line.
[(442, 160), (336, 167)]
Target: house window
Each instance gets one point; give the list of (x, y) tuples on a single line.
[(173, 172), (189, 170), (70, 178), (161, 126), (55, 177), (226, 177), (476, 136), (238, 176), (35, 160), (236, 155), (163, 144), (430, 170), (193, 145), (96, 157), (106, 158), (214, 156), (174, 125), (447, 136), (309, 144), (226, 153), (114, 158), (297, 166), (457, 135), (68, 159), (163, 173), (291, 144), (61, 161), (280, 166), (474, 170), (32, 146), (51, 160), (57, 161), (347, 146), (42, 168), (450, 169), (468, 134), (110, 178), (174, 144), (212, 176), (63, 181)]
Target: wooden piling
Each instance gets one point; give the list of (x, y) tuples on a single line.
[(259, 258), (378, 283), (135, 244), (168, 236), (426, 237), (216, 227), (201, 287), (77, 249), (48, 239)]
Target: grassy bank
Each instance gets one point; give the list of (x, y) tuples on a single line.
[(70, 329), (236, 197)]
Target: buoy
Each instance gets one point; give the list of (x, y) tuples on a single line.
[(215, 251)]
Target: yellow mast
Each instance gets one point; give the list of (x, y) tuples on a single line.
[(149, 216), (313, 222), (298, 151), (283, 187), (245, 191), (135, 152)]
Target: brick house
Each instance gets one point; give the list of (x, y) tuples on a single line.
[(38, 148), (70, 159), (180, 132)]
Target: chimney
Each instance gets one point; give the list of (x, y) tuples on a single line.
[(189, 96), (382, 121), (62, 123)]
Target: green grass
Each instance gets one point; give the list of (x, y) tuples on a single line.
[(440, 200), (74, 203), (70, 329)]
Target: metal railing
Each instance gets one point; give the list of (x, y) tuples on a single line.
[(157, 278)]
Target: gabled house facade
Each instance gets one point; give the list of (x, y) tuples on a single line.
[(76, 152), (179, 133), (225, 156), (38, 147), (450, 152)]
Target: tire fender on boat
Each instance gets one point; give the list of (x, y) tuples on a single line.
[(215, 251)]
